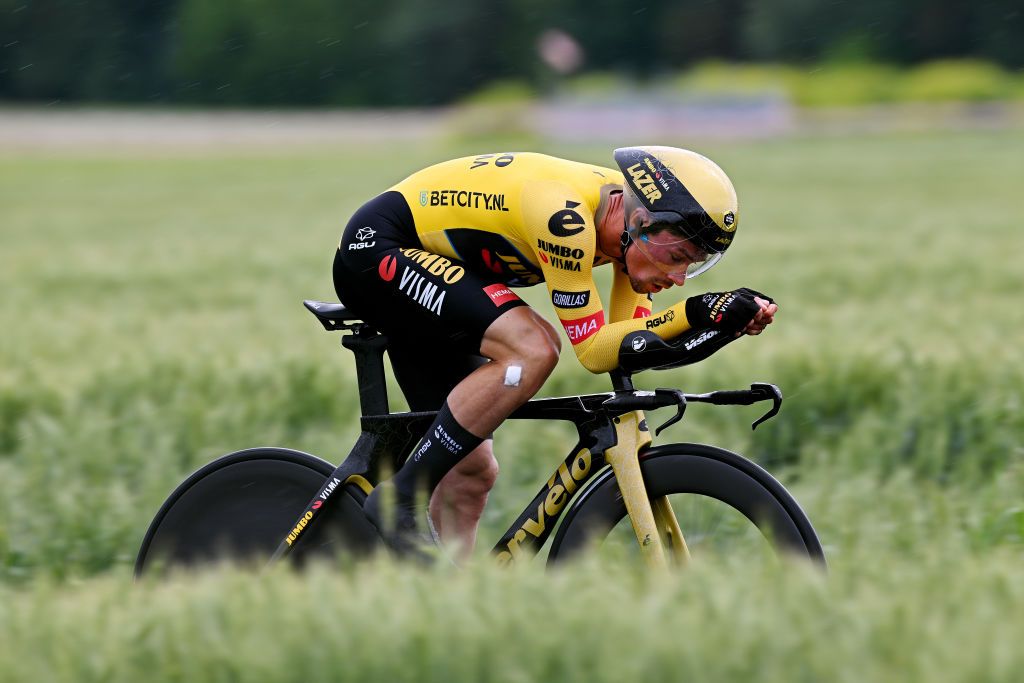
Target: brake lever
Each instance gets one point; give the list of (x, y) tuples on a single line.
[(767, 391), (680, 409)]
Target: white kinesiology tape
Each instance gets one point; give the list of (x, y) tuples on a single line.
[(513, 374)]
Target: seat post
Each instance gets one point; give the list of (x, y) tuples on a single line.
[(368, 345)]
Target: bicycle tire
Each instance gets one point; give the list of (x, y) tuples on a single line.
[(687, 468), (239, 507)]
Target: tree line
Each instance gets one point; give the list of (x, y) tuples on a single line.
[(419, 53)]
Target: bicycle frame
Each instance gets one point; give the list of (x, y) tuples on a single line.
[(603, 439)]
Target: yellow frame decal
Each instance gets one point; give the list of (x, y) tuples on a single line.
[(361, 482)]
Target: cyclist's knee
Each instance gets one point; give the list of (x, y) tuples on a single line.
[(531, 365), (539, 353), (524, 340)]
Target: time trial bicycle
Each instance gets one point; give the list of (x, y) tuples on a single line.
[(268, 504)]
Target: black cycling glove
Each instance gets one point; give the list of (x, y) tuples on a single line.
[(727, 311)]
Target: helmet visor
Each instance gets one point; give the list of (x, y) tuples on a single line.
[(673, 254)]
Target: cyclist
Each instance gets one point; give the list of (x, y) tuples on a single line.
[(433, 261)]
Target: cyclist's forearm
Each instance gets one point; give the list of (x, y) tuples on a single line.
[(599, 351)]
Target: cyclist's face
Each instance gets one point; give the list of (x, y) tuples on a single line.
[(662, 259), (662, 263), (647, 278)]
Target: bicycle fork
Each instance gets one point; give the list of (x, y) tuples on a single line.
[(654, 521)]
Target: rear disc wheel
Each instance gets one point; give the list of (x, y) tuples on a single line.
[(240, 507)]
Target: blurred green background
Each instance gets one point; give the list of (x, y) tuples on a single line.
[(415, 53), (159, 227)]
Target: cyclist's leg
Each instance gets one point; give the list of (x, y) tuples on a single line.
[(457, 502), (411, 293), (523, 349)]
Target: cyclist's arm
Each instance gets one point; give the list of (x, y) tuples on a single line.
[(598, 350), (565, 243)]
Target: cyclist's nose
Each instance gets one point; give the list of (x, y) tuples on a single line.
[(677, 278)]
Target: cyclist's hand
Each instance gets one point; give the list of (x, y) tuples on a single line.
[(763, 318), (739, 311)]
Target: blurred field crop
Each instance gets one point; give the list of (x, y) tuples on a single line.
[(152, 320)]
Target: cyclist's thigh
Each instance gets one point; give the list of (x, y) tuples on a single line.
[(428, 373)]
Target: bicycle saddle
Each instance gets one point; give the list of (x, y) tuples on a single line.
[(332, 316)]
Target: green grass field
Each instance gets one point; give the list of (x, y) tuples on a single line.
[(152, 320)]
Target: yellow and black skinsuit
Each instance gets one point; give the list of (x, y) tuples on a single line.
[(432, 260)]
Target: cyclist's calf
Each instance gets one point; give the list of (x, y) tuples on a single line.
[(459, 499)]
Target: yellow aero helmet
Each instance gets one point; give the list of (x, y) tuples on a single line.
[(685, 193)]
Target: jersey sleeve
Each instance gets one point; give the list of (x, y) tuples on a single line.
[(565, 243)]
